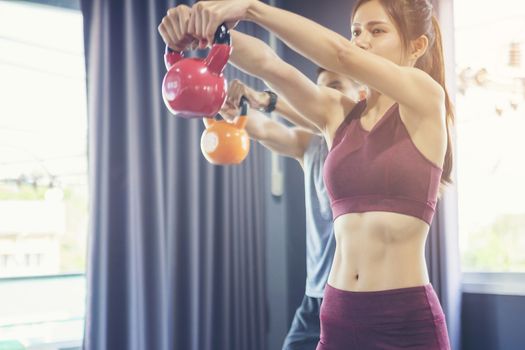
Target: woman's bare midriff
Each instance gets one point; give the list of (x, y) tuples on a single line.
[(379, 251)]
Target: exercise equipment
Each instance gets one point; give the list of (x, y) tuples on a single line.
[(225, 142), (196, 88)]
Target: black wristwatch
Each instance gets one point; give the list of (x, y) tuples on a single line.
[(273, 102)]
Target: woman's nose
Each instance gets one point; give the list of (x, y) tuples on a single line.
[(363, 41)]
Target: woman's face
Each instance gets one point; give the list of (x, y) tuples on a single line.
[(374, 31)]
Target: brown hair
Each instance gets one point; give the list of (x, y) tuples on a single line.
[(414, 18)]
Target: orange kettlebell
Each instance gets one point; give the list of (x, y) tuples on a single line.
[(224, 142)]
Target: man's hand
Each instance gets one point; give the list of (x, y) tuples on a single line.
[(236, 90)]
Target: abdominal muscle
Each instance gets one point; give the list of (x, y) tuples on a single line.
[(379, 251)]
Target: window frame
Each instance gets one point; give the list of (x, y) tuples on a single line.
[(494, 283)]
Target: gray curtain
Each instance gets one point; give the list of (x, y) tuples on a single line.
[(176, 248), (444, 266)]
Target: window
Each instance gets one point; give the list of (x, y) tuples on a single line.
[(43, 140), (43, 174), (490, 121)]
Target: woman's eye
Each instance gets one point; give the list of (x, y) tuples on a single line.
[(377, 31), (355, 33)]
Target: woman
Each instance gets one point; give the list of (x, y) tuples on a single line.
[(301, 142), (388, 157)]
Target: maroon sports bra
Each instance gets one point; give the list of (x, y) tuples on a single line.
[(380, 169)]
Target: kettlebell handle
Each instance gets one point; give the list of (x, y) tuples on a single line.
[(241, 120), (208, 121), (222, 36), (243, 117), (244, 104)]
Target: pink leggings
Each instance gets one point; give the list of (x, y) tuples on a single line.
[(407, 318)]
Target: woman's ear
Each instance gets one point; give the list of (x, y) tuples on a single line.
[(419, 46)]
